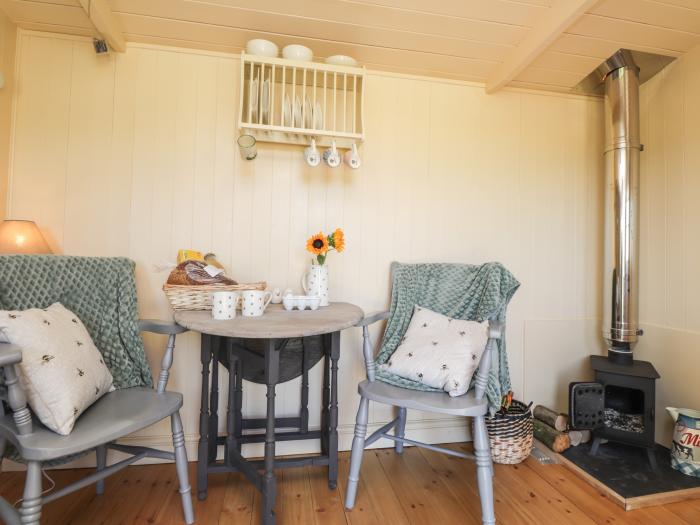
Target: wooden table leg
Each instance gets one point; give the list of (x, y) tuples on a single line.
[(304, 412), (269, 484), (333, 431), (214, 398), (231, 441), (238, 405), (326, 396), (202, 459)]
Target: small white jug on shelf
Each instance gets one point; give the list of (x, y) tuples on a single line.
[(315, 282)]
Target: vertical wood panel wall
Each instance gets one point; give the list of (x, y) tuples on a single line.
[(134, 154), (8, 37), (670, 234)]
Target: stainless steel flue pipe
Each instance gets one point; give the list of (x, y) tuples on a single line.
[(622, 148)]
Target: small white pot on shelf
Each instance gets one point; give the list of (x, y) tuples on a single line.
[(262, 48), (297, 52), (341, 60)]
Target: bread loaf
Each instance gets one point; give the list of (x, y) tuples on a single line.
[(193, 273)]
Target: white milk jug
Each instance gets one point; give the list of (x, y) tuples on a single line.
[(315, 282), (685, 448)]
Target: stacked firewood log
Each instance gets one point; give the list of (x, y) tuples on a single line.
[(552, 429)]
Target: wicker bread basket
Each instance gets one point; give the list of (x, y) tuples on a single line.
[(510, 434), (198, 297)]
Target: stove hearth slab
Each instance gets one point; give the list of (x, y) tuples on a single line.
[(624, 474)]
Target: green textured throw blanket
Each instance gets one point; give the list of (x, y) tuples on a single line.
[(99, 290), (461, 291)]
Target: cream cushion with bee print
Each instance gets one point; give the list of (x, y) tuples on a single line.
[(62, 370), (439, 351)]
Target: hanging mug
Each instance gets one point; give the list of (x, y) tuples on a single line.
[(311, 154), (352, 158), (254, 302), (315, 282), (331, 156)]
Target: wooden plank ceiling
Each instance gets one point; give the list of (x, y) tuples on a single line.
[(476, 40)]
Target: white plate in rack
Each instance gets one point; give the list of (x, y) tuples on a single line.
[(298, 123), (287, 112), (253, 100), (308, 114), (318, 116), (265, 104)]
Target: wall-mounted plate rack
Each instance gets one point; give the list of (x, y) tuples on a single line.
[(291, 102)]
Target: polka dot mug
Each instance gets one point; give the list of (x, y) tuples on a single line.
[(254, 302), (224, 305)]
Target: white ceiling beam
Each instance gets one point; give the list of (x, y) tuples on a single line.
[(106, 24), (545, 31)]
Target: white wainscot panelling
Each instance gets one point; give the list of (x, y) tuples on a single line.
[(134, 154), (670, 245)]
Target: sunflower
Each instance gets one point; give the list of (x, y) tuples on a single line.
[(337, 240), (317, 244)]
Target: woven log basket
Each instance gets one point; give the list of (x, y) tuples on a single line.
[(510, 434), (198, 297)]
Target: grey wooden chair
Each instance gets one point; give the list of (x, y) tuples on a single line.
[(472, 404), (113, 416)]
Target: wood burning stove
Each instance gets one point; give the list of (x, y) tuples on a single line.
[(628, 400), (619, 405)]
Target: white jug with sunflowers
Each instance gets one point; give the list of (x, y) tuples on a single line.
[(315, 282)]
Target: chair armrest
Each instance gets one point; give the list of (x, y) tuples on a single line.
[(157, 326), (170, 329), (370, 367), (10, 354), (496, 329), (373, 318)]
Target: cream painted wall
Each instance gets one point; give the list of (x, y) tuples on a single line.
[(134, 154), (8, 36), (670, 276)]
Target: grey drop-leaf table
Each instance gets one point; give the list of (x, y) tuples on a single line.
[(225, 342)]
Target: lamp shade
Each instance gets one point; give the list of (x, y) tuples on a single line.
[(21, 237)]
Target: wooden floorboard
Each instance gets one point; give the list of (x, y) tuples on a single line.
[(327, 504), (237, 508), (420, 487)]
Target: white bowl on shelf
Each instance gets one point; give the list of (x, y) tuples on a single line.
[(261, 47), (297, 52), (341, 60)]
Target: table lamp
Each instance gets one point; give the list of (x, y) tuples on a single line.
[(21, 237)]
